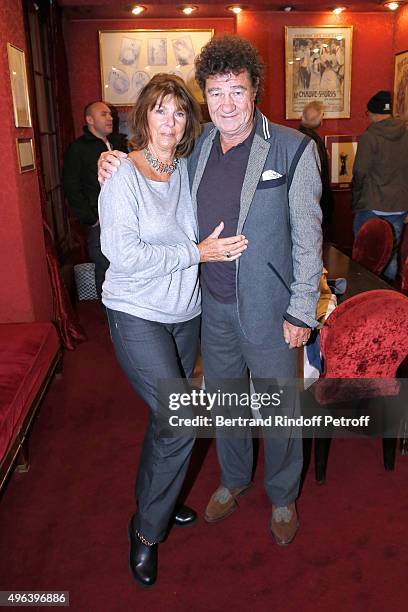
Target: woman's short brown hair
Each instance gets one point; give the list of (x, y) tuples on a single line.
[(159, 87)]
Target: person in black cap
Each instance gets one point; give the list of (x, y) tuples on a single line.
[(380, 173)]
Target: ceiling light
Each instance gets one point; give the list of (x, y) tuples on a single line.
[(235, 9), (392, 5), (187, 10), (138, 9), (339, 9), (287, 9)]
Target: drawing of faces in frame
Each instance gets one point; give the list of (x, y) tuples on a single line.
[(130, 51), (157, 52), (183, 50), (139, 80), (118, 81)]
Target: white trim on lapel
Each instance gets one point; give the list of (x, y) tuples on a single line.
[(201, 164), (257, 157)]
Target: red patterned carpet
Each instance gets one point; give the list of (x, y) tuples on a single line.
[(63, 524)]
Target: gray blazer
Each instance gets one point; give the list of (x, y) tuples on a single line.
[(279, 274)]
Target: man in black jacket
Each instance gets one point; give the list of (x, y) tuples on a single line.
[(80, 179), (312, 118)]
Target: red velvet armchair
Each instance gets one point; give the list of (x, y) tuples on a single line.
[(363, 343), (404, 279), (373, 245)]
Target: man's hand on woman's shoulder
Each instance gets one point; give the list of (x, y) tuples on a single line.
[(108, 163)]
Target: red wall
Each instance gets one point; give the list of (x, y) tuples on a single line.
[(372, 59), (376, 37), (81, 40), (372, 69), (25, 293), (401, 30), (25, 289)]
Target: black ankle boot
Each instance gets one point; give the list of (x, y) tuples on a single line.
[(142, 559)]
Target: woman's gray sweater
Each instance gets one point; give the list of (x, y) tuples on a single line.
[(149, 235)]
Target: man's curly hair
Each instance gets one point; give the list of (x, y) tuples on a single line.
[(230, 53)]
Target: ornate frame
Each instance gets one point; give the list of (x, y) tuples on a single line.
[(318, 67), (129, 58)]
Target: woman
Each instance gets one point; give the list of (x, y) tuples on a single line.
[(151, 292)]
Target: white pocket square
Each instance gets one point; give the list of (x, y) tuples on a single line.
[(268, 175)]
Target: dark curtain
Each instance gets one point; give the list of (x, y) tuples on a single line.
[(59, 76), (69, 328), (63, 119), (63, 313)]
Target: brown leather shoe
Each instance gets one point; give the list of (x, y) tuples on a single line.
[(223, 503), (284, 524)]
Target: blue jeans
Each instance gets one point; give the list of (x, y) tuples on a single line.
[(397, 223), (147, 352)]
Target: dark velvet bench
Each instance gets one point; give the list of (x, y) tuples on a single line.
[(30, 354)]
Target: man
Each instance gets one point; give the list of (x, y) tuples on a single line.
[(80, 180), (312, 119), (380, 173), (262, 180)]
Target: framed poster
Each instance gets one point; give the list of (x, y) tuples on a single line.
[(400, 108), (318, 67), (341, 151), (129, 58), (19, 86), (25, 154)]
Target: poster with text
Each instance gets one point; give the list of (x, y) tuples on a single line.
[(318, 67)]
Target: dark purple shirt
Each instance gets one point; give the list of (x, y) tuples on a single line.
[(218, 199)]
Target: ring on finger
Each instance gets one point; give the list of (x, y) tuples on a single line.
[(228, 254)]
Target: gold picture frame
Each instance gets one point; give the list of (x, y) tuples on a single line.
[(25, 154), (318, 67), (129, 58), (19, 86), (400, 107)]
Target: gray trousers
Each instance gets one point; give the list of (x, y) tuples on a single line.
[(227, 354), (98, 258), (148, 351)]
